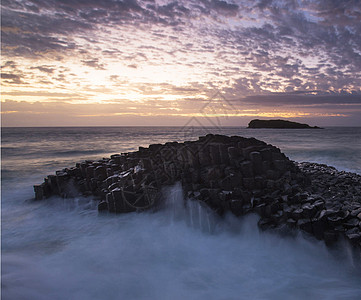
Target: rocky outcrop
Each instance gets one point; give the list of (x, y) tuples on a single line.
[(229, 174), (340, 193), (279, 124)]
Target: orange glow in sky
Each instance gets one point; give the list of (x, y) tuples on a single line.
[(132, 62)]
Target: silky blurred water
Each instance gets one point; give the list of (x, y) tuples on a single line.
[(62, 248)]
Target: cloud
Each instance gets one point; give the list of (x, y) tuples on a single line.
[(94, 63), (337, 12), (285, 24), (45, 69), (263, 52), (225, 8), (301, 98), (40, 94), (9, 64), (11, 78)]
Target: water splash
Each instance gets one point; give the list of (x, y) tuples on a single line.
[(183, 251), (194, 213)]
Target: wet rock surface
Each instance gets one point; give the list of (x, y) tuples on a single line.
[(229, 174)]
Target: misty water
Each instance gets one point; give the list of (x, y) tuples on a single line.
[(64, 249)]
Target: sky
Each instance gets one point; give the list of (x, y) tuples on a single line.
[(158, 62)]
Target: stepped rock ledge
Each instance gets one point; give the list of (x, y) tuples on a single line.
[(229, 174)]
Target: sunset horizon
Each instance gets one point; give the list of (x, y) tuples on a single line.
[(162, 63), (180, 149)]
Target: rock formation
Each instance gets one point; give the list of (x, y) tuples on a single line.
[(229, 174), (279, 124)]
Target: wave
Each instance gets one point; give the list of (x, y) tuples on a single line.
[(182, 251)]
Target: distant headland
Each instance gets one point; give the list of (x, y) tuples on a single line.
[(279, 124)]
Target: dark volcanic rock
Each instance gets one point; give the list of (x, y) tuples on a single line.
[(278, 124), (235, 174)]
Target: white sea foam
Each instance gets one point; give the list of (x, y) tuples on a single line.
[(64, 250)]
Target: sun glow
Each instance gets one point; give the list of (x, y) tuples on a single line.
[(170, 59)]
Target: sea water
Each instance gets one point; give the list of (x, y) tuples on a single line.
[(63, 249)]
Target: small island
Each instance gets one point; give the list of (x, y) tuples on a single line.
[(279, 124)]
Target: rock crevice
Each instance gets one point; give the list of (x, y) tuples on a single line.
[(229, 174)]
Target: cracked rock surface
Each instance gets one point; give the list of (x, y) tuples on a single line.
[(229, 174)]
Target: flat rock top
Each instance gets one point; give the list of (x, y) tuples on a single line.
[(279, 124), (236, 174)]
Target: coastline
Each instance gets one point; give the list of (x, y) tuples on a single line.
[(240, 175), (70, 236)]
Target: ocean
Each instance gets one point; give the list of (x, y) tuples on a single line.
[(63, 249)]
